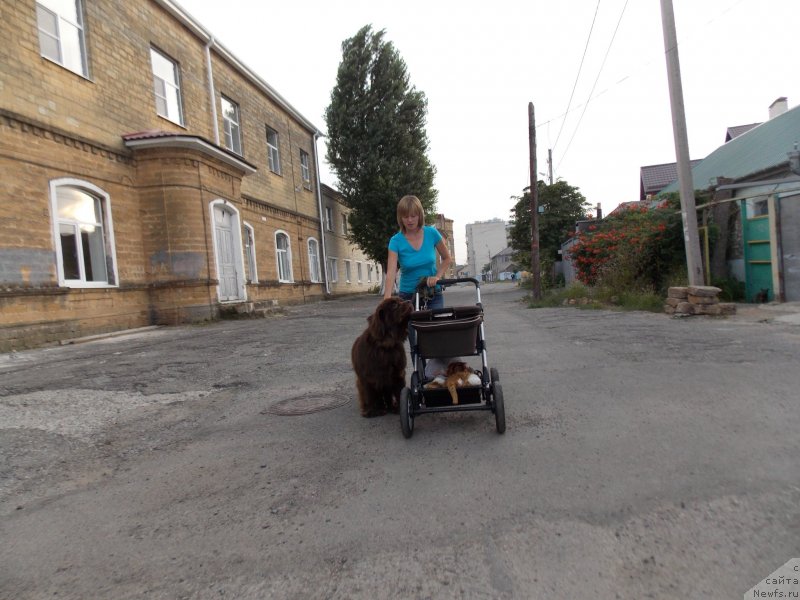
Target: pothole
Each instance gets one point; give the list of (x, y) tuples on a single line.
[(306, 404)]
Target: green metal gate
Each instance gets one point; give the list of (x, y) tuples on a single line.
[(757, 250)]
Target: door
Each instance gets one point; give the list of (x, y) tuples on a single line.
[(226, 255), (757, 250)]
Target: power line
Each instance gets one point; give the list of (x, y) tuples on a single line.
[(596, 79), (580, 67), (632, 73)]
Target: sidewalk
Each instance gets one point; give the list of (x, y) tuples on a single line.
[(780, 312)]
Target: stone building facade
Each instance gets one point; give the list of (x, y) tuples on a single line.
[(147, 175), (348, 269)]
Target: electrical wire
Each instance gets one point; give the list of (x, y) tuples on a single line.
[(580, 67), (596, 79)]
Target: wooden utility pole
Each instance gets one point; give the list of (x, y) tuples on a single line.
[(549, 166), (691, 238), (534, 191)]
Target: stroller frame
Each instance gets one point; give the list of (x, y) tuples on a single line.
[(449, 332)]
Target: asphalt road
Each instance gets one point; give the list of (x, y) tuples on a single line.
[(644, 457)]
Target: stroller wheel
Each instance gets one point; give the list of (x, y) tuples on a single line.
[(495, 374), (499, 407), (406, 413)]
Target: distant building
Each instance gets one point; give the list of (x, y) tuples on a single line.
[(502, 264), (348, 269), (445, 227), (484, 240)]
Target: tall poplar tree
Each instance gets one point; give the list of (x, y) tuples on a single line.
[(377, 143)]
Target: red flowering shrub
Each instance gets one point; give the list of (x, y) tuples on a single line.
[(640, 247)]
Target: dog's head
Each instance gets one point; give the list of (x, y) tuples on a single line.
[(458, 367), (389, 322)]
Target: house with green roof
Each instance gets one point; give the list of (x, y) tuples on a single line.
[(755, 183)]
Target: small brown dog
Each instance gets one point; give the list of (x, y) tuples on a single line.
[(379, 358), (458, 374)]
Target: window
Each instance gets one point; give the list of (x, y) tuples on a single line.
[(273, 151), (333, 269), (83, 232), (328, 218), (347, 273), (313, 260), (344, 224), (757, 207), (166, 84), (250, 252), (231, 125), (358, 271), (284, 254), (369, 273), (305, 172), (61, 35)]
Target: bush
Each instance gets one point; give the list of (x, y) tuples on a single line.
[(733, 290), (638, 249)]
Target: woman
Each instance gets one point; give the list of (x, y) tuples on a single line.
[(414, 250)]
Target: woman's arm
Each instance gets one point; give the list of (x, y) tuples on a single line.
[(391, 274), (447, 260)]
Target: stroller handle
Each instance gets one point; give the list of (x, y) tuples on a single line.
[(446, 282)]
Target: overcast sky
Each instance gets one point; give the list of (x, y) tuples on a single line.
[(601, 99)]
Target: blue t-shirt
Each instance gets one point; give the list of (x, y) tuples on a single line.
[(415, 264)]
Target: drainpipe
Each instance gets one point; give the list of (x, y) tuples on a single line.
[(317, 135), (211, 93)]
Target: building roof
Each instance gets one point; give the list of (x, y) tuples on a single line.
[(763, 147), (737, 130), (654, 178)]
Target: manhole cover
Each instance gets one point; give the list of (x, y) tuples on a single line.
[(303, 405)]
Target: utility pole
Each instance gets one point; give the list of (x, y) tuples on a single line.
[(534, 191), (691, 238), (549, 166)]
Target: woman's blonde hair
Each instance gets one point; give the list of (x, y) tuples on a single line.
[(409, 205)]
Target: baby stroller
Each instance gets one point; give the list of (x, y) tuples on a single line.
[(442, 334)]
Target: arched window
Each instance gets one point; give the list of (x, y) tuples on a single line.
[(313, 260), (84, 234), (283, 251), (250, 252)]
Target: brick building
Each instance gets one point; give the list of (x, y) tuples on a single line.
[(147, 175), (348, 269)]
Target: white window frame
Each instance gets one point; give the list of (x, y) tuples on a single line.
[(313, 260), (359, 272), (250, 252), (284, 269), (68, 36), (344, 224), (305, 171), (171, 95), (369, 273), (273, 150), (348, 271), (231, 125), (109, 246), (328, 218), (333, 269)]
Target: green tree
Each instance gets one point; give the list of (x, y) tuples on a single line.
[(377, 143), (560, 205)]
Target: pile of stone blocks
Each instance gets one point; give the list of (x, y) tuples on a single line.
[(696, 300)]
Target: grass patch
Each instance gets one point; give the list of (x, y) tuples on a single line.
[(580, 296)]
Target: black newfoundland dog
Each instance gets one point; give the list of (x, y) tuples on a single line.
[(379, 358)]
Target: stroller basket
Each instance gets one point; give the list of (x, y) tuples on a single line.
[(449, 331)]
